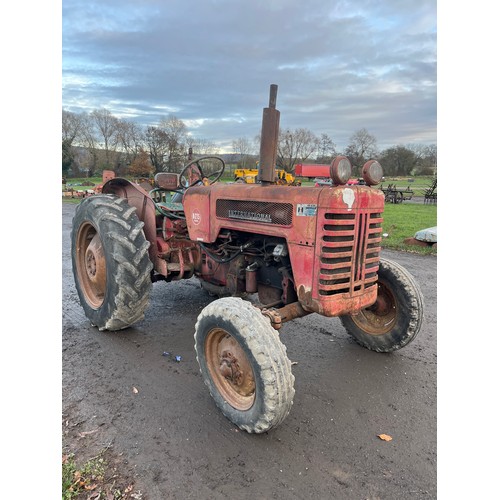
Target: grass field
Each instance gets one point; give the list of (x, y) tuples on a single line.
[(401, 220)]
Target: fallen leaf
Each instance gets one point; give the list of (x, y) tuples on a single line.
[(129, 488), (134, 390), (385, 437)]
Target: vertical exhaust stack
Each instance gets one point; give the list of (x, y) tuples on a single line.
[(269, 139)]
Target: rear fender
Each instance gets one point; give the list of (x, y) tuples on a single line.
[(137, 197)]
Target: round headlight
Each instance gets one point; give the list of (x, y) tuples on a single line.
[(372, 172), (340, 170)]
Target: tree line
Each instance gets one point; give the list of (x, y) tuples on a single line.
[(96, 141)]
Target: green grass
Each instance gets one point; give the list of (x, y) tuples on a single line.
[(76, 184), (403, 220), (96, 478), (78, 480)]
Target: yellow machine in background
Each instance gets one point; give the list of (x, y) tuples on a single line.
[(249, 175)]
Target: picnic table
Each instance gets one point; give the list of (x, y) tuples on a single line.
[(394, 194)]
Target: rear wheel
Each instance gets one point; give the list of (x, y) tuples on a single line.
[(244, 364), (111, 264), (395, 318)]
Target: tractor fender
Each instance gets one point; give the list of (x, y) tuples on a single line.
[(139, 198)]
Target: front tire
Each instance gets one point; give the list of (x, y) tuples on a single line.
[(395, 318), (111, 264), (244, 364)]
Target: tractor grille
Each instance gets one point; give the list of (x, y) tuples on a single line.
[(350, 252), (255, 211)]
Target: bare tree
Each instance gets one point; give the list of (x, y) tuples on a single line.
[(295, 146), (201, 147), (157, 146), (176, 134), (426, 158), (429, 162), (71, 126), (243, 147), (362, 147), (97, 140), (71, 129), (327, 149), (88, 139), (130, 140), (106, 127)]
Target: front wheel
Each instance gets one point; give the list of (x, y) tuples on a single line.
[(395, 318), (111, 264), (244, 364)]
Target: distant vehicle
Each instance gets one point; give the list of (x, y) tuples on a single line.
[(249, 175), (312, 170), (322, 181), (356, 182)]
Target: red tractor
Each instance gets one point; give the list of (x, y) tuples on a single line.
[(292, 250)]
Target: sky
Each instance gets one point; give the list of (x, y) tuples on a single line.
[(340, 66)]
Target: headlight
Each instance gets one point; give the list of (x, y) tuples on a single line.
[(340, 170), (372, 172)]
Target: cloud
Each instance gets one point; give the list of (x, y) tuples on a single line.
[(340, 66)]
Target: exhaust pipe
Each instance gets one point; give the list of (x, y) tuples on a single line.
[(269, 139)]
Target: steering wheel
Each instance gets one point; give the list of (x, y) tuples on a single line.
[(193, 173)]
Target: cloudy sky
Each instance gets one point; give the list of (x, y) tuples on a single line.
[(340, 65)]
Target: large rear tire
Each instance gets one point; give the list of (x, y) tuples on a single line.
[(395, 318), (244, 364), (111, 265)]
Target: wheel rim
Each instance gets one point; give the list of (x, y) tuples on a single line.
[(91, 265), (230, 369), (379, 318)]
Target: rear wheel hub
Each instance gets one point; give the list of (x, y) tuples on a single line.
[(91, 265)]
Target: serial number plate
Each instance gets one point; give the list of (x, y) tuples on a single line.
[(304, 209)]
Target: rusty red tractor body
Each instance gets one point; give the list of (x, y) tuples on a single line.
[(291, 250)]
